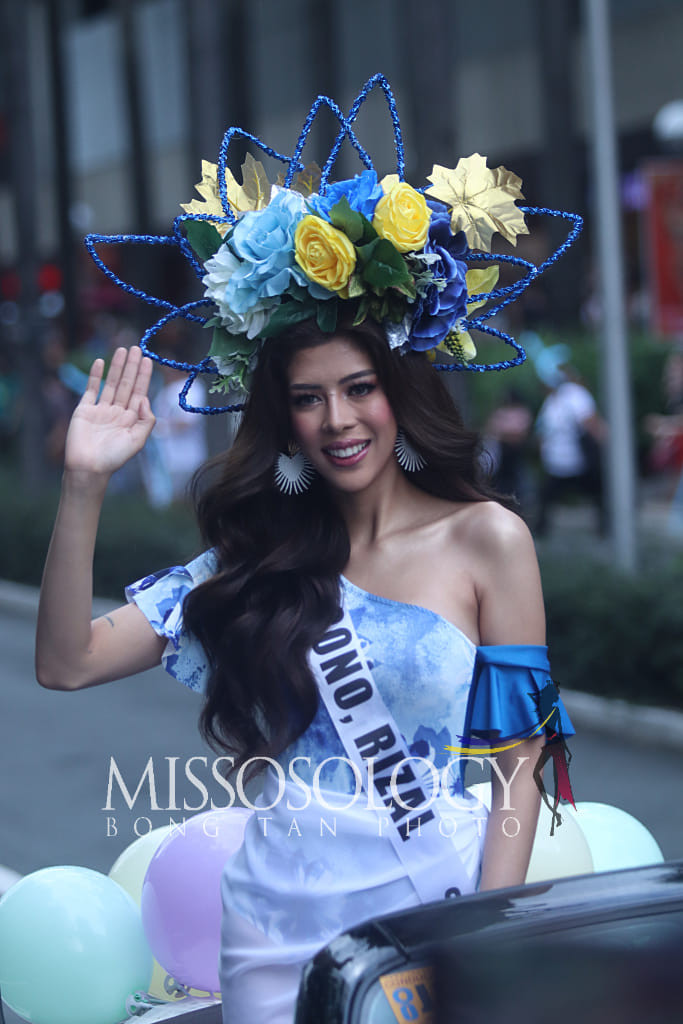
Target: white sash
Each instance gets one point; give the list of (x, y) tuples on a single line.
[(375, 745)]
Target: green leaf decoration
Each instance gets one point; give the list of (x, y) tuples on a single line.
[(225, 345), (365, 252), (326, 315), (355, 286), (408, 289), (297, 291), (369, 232), (362, 311), (385, 268), (288, 313), (222, 386), (203, 238), (355, 226), (389, 306), (397, 306), (349, 221)]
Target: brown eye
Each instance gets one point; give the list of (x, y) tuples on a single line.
[(362, 388), (301, 400)]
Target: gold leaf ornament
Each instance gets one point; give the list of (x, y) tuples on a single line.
[(305, 182), (458, 342), (482, 200), (480, 280), (388, 182), (253, 194), (255, 185)]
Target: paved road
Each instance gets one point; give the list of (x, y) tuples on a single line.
[(56, 752)]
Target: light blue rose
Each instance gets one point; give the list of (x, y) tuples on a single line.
[(263, 242)]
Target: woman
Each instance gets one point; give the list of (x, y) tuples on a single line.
[(429, 568)]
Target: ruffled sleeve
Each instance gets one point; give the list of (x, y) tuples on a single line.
[(512, 695), (160, 599)]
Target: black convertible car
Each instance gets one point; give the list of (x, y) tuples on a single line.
[(594, 948)]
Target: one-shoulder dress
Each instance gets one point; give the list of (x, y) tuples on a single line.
[(315, 860)]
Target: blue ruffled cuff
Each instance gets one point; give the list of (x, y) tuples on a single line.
[(160, 599), (512, 694)]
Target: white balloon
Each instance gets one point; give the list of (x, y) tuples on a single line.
[(565, 853), (616, 839), (562, 854)]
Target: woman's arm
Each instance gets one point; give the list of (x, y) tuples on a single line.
[(511, 826), (104, 433), (510, 612)]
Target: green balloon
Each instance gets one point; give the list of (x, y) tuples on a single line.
[(72, 948)]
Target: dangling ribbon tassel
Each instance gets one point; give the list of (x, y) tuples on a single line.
[(561, 768)]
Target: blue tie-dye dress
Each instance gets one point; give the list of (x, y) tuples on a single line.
[(316, 858)]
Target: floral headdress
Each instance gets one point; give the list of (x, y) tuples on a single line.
[(270, 255)]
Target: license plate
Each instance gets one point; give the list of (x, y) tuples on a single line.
[(410, 994)]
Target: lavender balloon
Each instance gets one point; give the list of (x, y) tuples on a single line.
[(181, 895)]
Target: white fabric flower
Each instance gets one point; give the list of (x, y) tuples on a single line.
[(221, 267)]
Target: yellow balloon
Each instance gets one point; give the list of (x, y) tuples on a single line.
[(157, 988), (129, 870), (564, 853), (130, 867)]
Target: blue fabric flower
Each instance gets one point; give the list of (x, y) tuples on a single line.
[(263, 241), (363, 192), (429, 743), (437, 312), (148, 581), (160, 598)]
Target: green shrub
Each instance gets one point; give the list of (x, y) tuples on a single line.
[(616, 635), (133, 539)]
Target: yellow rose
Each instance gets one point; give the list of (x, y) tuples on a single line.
[(402, 216), (324, 253)]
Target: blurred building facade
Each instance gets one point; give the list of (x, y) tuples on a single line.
[(126, 97), (202, 65)]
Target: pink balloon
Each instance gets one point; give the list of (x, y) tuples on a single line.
[(181, 895)]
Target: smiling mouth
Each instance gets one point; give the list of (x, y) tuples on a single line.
[(347, 455)]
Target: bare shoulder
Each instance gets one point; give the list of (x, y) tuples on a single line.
[(491, 531), (499, 551)]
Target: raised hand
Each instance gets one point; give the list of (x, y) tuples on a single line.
[(106, 431)]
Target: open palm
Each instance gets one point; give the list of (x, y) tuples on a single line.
[(106, 431)]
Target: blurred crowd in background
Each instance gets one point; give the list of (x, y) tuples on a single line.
[(543, 442)]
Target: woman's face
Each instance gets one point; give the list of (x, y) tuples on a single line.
[(340, 415)]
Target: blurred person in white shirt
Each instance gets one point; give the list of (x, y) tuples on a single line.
[(571, 433), (179, 443)]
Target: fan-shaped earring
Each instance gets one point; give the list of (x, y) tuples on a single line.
[(293, 471), (407, 455)]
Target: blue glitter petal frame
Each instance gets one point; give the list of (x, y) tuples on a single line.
[(501, 296)]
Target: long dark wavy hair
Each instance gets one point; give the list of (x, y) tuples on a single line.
[(280, 556)]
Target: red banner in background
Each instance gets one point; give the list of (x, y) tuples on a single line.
[(664, 245)]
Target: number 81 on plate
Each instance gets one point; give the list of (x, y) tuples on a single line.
[(410, 994)]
